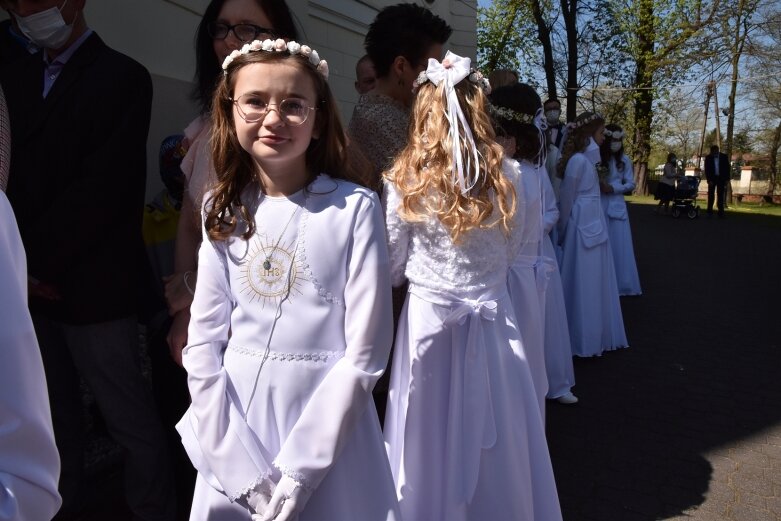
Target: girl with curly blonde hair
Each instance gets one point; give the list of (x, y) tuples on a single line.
[(587, 270), (463, 430)]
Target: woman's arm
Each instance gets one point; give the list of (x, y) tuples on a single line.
[(177, 292)]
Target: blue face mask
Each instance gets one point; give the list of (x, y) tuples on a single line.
[(46, 29)]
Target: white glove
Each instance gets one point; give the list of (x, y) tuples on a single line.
[(259, 497), (289, 499)]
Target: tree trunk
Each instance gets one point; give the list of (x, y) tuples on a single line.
[(737, 50), (644, 97), (771, 188), (569, 9), (543, 35)]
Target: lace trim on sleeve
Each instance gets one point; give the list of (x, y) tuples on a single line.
[(243, 493), (300, 479)]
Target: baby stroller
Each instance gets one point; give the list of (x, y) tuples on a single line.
[(685, 199)]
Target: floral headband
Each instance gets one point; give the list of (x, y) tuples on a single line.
[(474, 76), (615, 134), (585, 121), (511, 115), (279, 45)]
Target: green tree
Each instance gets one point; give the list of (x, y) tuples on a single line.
[(661, 38), (505, 36)]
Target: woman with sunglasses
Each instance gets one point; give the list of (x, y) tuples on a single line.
[(226, 26)]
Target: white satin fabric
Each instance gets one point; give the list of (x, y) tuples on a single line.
[(463, 428), (311, 416), (29, 462), (617, 216), (587, 273), (528, 274), (558, 352)]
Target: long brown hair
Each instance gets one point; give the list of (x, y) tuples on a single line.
[(422, 171), (235, 168), (606, 154), (578, 137)]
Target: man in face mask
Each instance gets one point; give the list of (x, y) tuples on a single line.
[(552, 109), (79, 114)]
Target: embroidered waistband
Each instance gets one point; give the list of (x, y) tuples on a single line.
[(312, 356)]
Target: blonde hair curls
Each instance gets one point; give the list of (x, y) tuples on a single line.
[(422, 172), (577, 138)]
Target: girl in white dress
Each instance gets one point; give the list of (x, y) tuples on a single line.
[(619, 182), (534, 276), (587, 273), (291, 321), (463, 427)]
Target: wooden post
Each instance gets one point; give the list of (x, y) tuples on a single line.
[(718, 119)]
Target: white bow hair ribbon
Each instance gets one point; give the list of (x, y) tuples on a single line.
[(452, 70)]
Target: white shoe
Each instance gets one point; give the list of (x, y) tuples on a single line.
[(567, 399)]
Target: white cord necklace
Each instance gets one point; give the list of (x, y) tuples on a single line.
[(267, 262), (283, 298)]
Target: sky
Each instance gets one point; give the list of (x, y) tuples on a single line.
[(695, 90)]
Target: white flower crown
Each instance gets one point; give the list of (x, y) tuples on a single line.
[(279, 45), (615, 134), (511, 115), (585, 121), (475, 77)]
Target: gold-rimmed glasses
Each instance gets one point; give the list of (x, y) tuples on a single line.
[(253, 108)]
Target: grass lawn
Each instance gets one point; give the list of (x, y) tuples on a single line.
[(756, 214)]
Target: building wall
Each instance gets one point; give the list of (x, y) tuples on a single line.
[(160, 35)]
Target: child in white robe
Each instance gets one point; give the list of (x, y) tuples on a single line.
[(587, 273), (291, 319), (619, 182), (29, 462), (463, 427), (534, 275)]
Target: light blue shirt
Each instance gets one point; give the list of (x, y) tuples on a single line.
[(53, 69)]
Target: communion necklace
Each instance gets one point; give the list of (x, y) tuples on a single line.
[(267, 262)]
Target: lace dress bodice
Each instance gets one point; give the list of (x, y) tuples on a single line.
[(424, 254)]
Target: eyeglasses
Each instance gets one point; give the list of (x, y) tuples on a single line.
[(243, 32), (252, 108)]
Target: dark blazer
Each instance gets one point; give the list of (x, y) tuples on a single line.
[(724, 169), (78, 172)]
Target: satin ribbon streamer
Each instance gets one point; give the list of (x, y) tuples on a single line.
[(478, 428), (452, 70), (542, 125)]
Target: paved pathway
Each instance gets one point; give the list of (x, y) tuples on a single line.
[(686, 423)]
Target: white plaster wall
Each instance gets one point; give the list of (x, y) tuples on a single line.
[(160, 35)]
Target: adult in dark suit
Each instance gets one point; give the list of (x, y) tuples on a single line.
[(552, 108), (79, 118), (717, 174)]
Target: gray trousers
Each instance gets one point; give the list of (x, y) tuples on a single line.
[(106, 356)]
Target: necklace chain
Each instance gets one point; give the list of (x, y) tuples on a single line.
[(267, 262)]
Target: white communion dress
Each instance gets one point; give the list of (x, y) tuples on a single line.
[(29, 462), (558, 351), (463, 428), (614, 206), (528, 273), (587, 273), (303, 407)]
